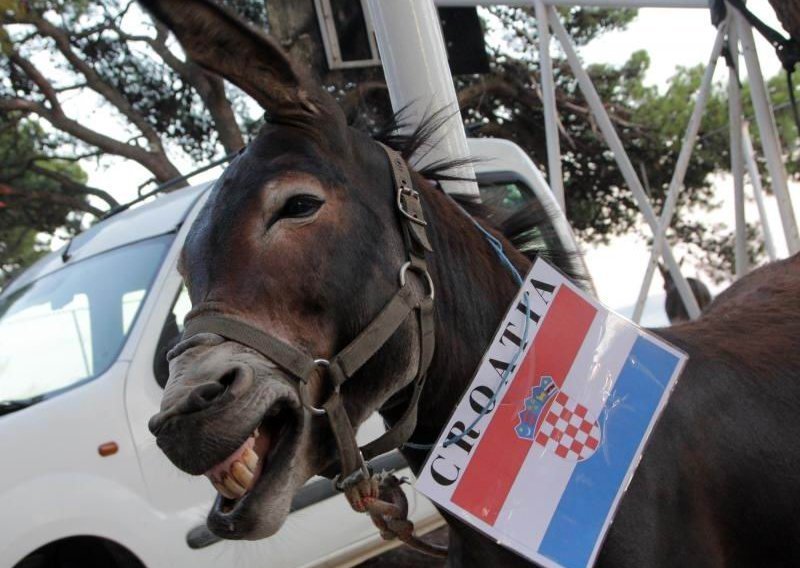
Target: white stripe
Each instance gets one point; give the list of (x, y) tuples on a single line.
[(529, 507), (606, 349)]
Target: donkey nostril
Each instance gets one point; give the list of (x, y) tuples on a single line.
[(204, 395), (237, 381), (232, 384), (211, 392), (227, 379)]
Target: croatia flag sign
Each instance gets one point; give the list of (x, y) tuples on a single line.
[(547, 437)]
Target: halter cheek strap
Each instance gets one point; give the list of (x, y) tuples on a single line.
[(352, 467)]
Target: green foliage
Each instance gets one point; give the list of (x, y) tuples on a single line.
[(19, 247), (28, 209), (778, 91), (787, 128), (585, 24), (23, 142), (651, 124)]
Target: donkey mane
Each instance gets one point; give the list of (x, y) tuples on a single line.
[(397, 134), (528, 228)]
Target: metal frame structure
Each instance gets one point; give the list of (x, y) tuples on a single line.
[(415, 65)]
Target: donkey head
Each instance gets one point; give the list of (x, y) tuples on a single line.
[(297, 238)]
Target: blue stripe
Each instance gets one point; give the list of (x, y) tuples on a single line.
[(590, 492)]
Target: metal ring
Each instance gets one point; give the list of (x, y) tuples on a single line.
[(422, 272), (316, 411), (303, 388), (324, 363)]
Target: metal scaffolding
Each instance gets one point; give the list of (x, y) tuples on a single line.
[(415, 65)]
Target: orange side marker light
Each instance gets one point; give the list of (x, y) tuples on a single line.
[(107, 449)]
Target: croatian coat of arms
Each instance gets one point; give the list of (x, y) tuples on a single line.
[(553, 420)]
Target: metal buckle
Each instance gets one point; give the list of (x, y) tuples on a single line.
[(324, 363), (412, 193), (421, 272)]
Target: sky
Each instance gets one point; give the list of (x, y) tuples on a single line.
[(672, 37), (675, 37)]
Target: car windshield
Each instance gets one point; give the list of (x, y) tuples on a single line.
[(68, 327), (509, 196)]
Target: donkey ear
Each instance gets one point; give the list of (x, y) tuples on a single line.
[(664, 272), (218, 40)]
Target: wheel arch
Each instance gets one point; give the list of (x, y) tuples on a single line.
[(87, 551)]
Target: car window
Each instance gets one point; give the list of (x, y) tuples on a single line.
[(508, 195), (170, 334), (68, 326)]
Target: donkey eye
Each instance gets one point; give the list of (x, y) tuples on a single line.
[(301, 206)]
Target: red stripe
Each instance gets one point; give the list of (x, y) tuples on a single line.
[(499, 455)]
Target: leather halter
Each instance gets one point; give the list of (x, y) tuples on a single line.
[(352, 467)]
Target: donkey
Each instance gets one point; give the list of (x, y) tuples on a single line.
[(300, 239), (673, 304)]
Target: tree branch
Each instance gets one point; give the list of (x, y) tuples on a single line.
[(21, 105), (73, 202), (73, 158), (155, 162), (75, 187), (71, 87), (210, 87), (97, 83), (45, 86)]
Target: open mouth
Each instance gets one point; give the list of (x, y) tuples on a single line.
[(248, 468)]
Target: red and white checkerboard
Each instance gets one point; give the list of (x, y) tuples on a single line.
[(567, 430)]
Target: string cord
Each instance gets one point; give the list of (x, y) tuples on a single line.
[(497, 247)]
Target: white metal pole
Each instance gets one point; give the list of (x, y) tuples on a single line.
[(758, 191), (681, 165), (624, 163), (737, 158), (770, 142), (549, 103), (415, 65)]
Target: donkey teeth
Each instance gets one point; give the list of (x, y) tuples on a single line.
[(250, 459), (223, 491), (233, 487), (242, 474)]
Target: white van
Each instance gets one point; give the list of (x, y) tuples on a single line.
[(83, 334)]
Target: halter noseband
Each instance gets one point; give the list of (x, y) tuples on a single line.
[(352, 466)]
